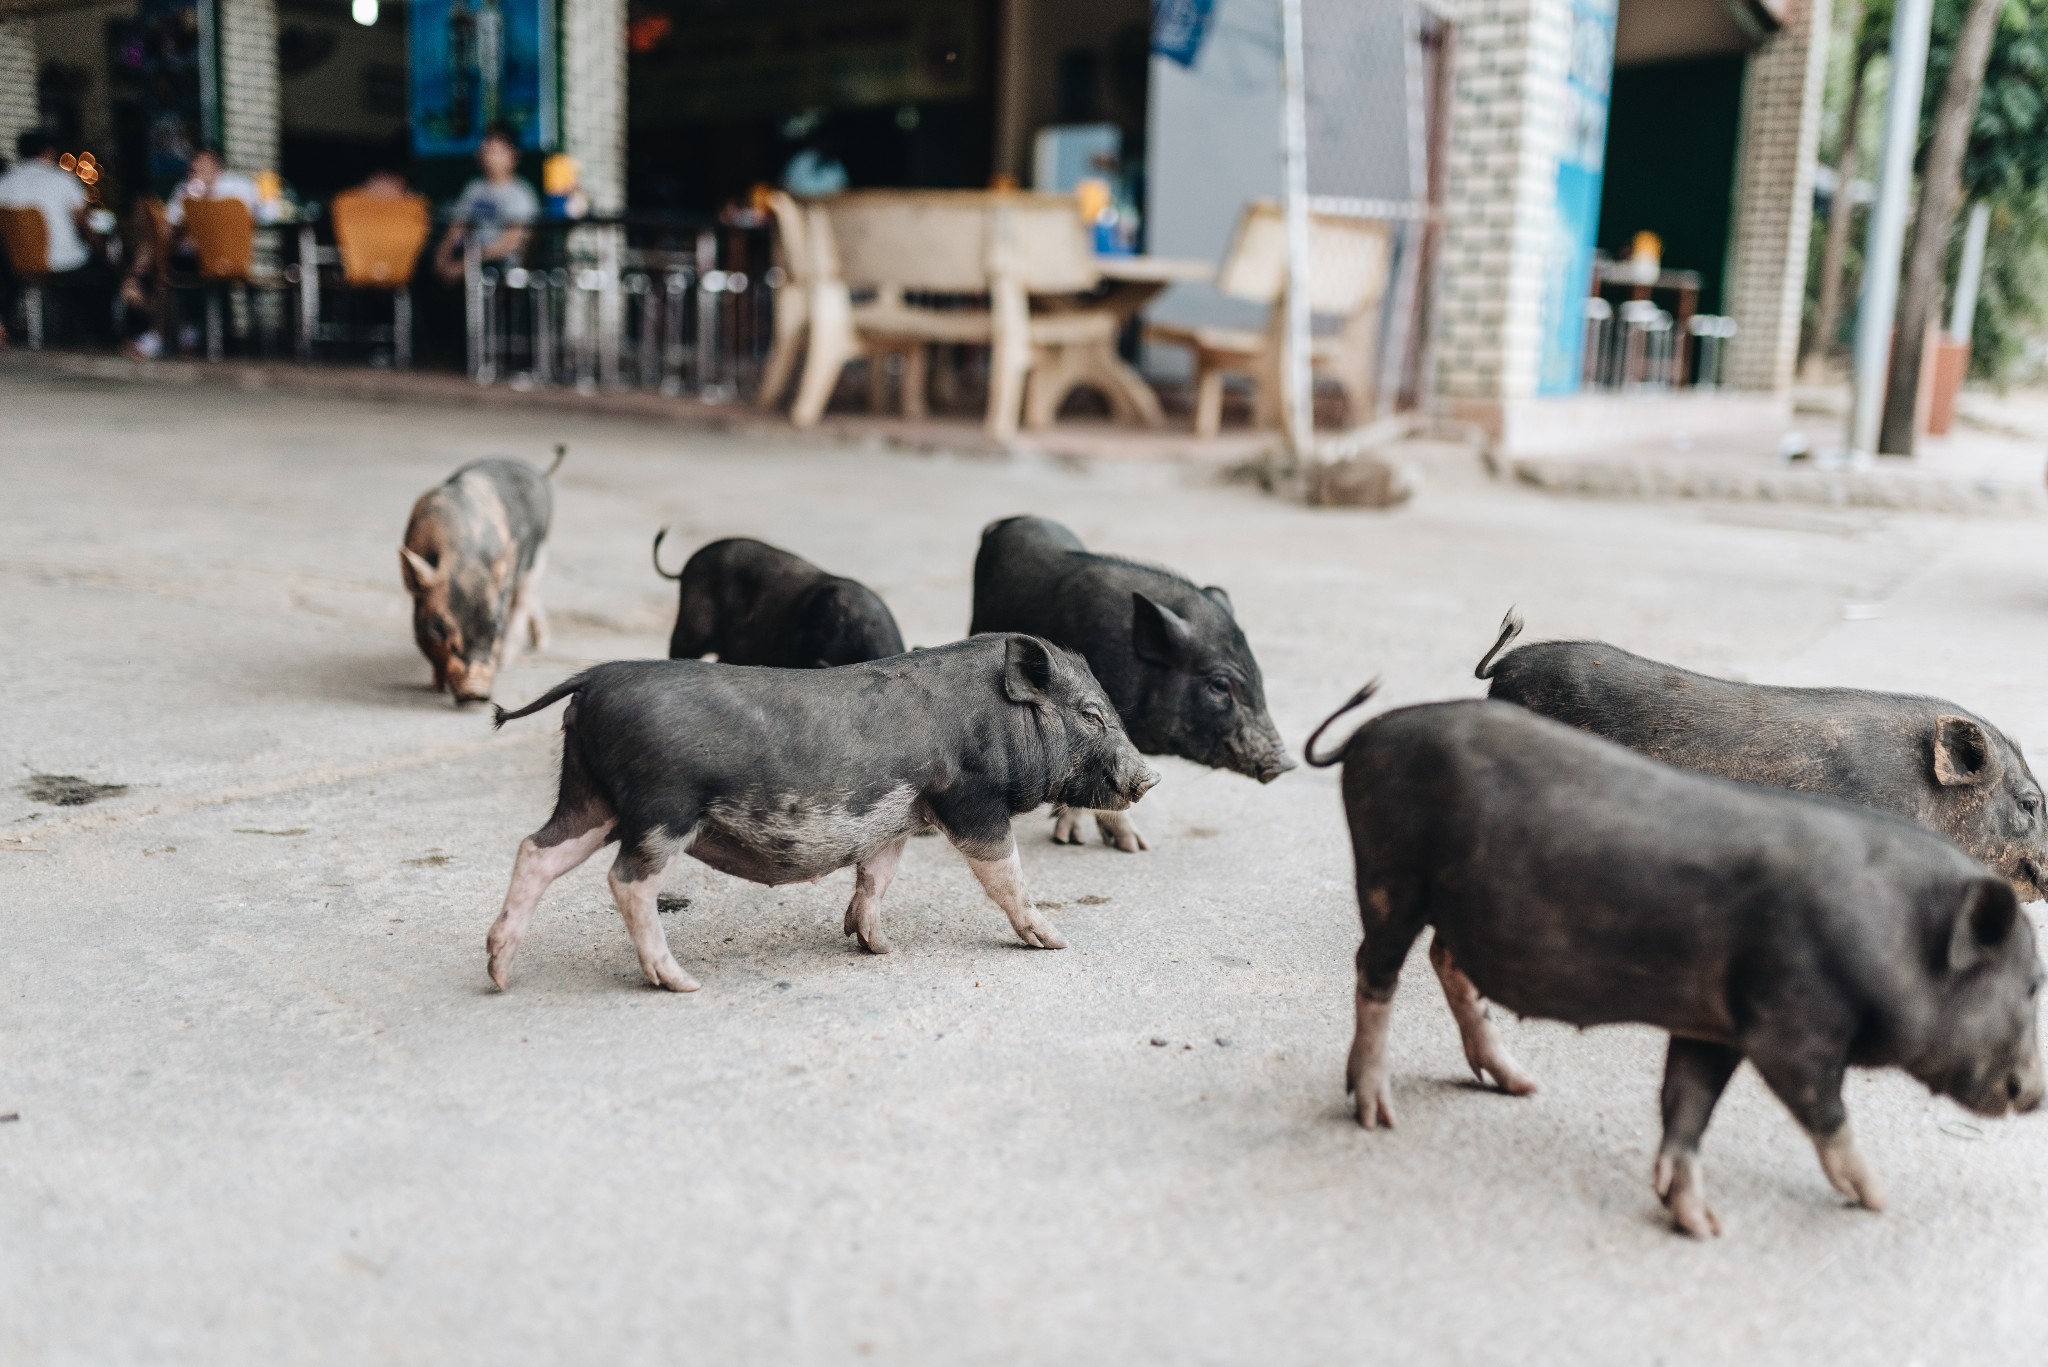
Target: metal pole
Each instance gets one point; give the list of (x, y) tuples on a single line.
[(1297, 392), (1886, 242), (1970, 275)]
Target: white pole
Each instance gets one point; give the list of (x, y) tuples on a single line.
[(1970, 275), (1886, 242), (1297, 394)]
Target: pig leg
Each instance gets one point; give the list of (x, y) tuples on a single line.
[(871, 880), (1390, 931), (1814, 1096), (543, 857), (1484, 1053), (1695, 1074), (1003, 880), (1116, 829), (635, 879)]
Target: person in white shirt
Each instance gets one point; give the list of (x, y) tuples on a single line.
[(207, 177), (37, 182), (497, 207)]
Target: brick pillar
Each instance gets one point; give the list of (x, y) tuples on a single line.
[(249, 98), (17, 82), (1500, 191), (594, 97), (1774, 198)]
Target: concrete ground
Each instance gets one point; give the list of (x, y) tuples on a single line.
[(261, 1105)]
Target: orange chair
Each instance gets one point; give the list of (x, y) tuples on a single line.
[(379, 239), (26, 239), (223, 234)]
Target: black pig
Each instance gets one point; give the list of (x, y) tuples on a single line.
[(782, 776), (472, 559), (1170, 655), (756, 604), (1920, 758), (1569, 878)]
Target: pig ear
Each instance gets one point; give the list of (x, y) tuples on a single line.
[(1962, 755), (1220, 599), (418, 573), (1028, 670), (1990, 911), (1158, 633)]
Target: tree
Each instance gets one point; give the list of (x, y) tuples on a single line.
[(1827, 318), (1941, 184)]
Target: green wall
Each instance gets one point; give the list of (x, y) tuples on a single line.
[(1671, 134)]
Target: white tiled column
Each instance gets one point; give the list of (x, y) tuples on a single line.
[(594, 97), (249, 93), (1501, 179), (17, 82), (1774, 198)]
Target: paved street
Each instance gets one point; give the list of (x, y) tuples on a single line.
[(270, 1111)]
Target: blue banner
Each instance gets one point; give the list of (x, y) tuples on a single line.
[(480, 62), (1178, 28), (1568, 263)]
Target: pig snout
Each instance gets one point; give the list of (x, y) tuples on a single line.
[(2024, 1086), (468, 682), (1143, 782), (1261, 754)]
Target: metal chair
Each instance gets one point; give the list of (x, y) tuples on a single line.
[(378, 239), (223, 234)]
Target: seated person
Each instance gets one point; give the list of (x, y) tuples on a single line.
[(37, 182), (496, 208), (384, 184), (207, 177)]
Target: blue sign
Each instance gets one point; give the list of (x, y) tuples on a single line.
[(1568, 261), (481, 62), (1178, 28)]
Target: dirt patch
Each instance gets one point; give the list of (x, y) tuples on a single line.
[(1091, 900), (258, 830), (667, 902), (431, 861), (68, 790)]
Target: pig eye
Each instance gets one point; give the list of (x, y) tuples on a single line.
[(1095, 718), (2029, 805), (1219, 688)]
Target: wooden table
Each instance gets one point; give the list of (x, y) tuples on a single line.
[(1132, 283)]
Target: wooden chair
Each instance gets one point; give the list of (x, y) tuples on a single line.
[(26, 239), (1348, 266), (379, 239), (1004, 246)]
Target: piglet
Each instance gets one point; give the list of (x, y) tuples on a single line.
[(784, 776), (1925, 759), (751, 603), (1569, 878), (472, 560), (1170, 655)]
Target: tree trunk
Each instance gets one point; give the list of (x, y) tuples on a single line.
[(1827, 317), (1941, 186)]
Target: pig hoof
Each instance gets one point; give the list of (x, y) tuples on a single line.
[(1116, 829), (1847, 1173), (1677, 1180), (1041, 936), (1066, 826), (669, 974), (1375, 1107), (1503, 1072), (500, 973), (874, 943)]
